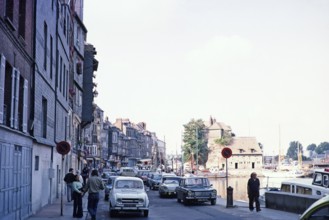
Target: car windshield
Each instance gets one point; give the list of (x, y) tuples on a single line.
[(156, 177), (171, 181), (197, 182), (129, 184)]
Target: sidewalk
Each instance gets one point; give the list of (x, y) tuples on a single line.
[(53, 211), (241, 208)]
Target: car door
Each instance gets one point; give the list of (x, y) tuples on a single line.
[(179, 189)]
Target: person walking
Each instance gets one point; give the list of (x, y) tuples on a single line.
[(77, 197), (253, 192), (94, 185), (85, 174), (77, 172), (69, 178)]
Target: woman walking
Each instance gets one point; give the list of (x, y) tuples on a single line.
[(77, 197)]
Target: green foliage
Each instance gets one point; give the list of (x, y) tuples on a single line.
[(292, 151), (321, 148), (194, 142), (311, 147)]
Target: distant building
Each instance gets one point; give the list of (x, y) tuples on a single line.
[(246, 152)]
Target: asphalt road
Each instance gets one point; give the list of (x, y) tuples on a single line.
[(170, 209)]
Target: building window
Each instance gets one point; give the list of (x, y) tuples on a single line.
[(3, 110), (22, 18), (60, 73), (36, 163), (64, 80), (45, 36), (10, 9), (44, 117), (51, 57)]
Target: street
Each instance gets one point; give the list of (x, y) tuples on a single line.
[(169, 208)]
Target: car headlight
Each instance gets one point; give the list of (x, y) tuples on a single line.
[(164, 188), (119, 200), (190, 193), (140, 200), (214, 193)]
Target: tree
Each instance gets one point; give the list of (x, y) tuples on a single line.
[(195, 145), (293, 151), (311, 147), (321, 148)]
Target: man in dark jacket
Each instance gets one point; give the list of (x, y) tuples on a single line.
[(94, 185), (253, 192), (69, 179)]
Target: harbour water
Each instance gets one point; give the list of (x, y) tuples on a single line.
[(239, 185)]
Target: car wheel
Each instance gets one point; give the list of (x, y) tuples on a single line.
[(185, 201), (146, 213), (106, 198), (178, 200), (213, 202)]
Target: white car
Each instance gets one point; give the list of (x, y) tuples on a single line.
[(128, 194)]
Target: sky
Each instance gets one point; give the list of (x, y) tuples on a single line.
[(259, 66)]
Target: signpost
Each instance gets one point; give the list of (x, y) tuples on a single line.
[(62, 148), (227, 153)]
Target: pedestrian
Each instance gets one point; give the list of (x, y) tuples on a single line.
[(80, 176), (253, 192), (77, 197), (94, 185), (85, 174), (69, 178)]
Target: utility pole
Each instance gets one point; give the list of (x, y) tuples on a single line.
[(197, 150)]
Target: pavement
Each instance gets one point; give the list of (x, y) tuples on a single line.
[(239, 208)]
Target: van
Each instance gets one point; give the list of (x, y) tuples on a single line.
[(127, 171)]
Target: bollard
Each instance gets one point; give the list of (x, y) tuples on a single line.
[(229, 201)]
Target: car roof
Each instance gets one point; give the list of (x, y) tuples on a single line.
[(322, 201), (127, 178)]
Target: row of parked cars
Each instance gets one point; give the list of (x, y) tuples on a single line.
[(129, 193)]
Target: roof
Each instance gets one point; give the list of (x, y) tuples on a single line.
[(247, 144)]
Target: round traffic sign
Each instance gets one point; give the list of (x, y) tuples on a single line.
[(63, 147), (226, 152)]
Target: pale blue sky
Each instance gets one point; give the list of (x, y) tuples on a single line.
[(255, 65)]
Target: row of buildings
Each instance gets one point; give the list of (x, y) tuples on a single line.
[(47, 90)]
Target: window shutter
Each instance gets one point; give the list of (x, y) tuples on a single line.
[(25, 106), (12, 106), (16, 98), (2, 85)]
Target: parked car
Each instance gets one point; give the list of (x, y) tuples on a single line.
[(143, 175), (108, 187), (154, 181), (106, 175), (319, 210), (196, 189), (128, 194), (168, 186)]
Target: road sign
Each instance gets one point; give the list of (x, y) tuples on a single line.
[(63, 147), (226, 152)]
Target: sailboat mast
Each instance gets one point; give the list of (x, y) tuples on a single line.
[(279, 158)]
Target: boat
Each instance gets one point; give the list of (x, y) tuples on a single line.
[(321, 178), (300, 186)]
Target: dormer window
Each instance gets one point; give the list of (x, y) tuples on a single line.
[(253, 151)]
